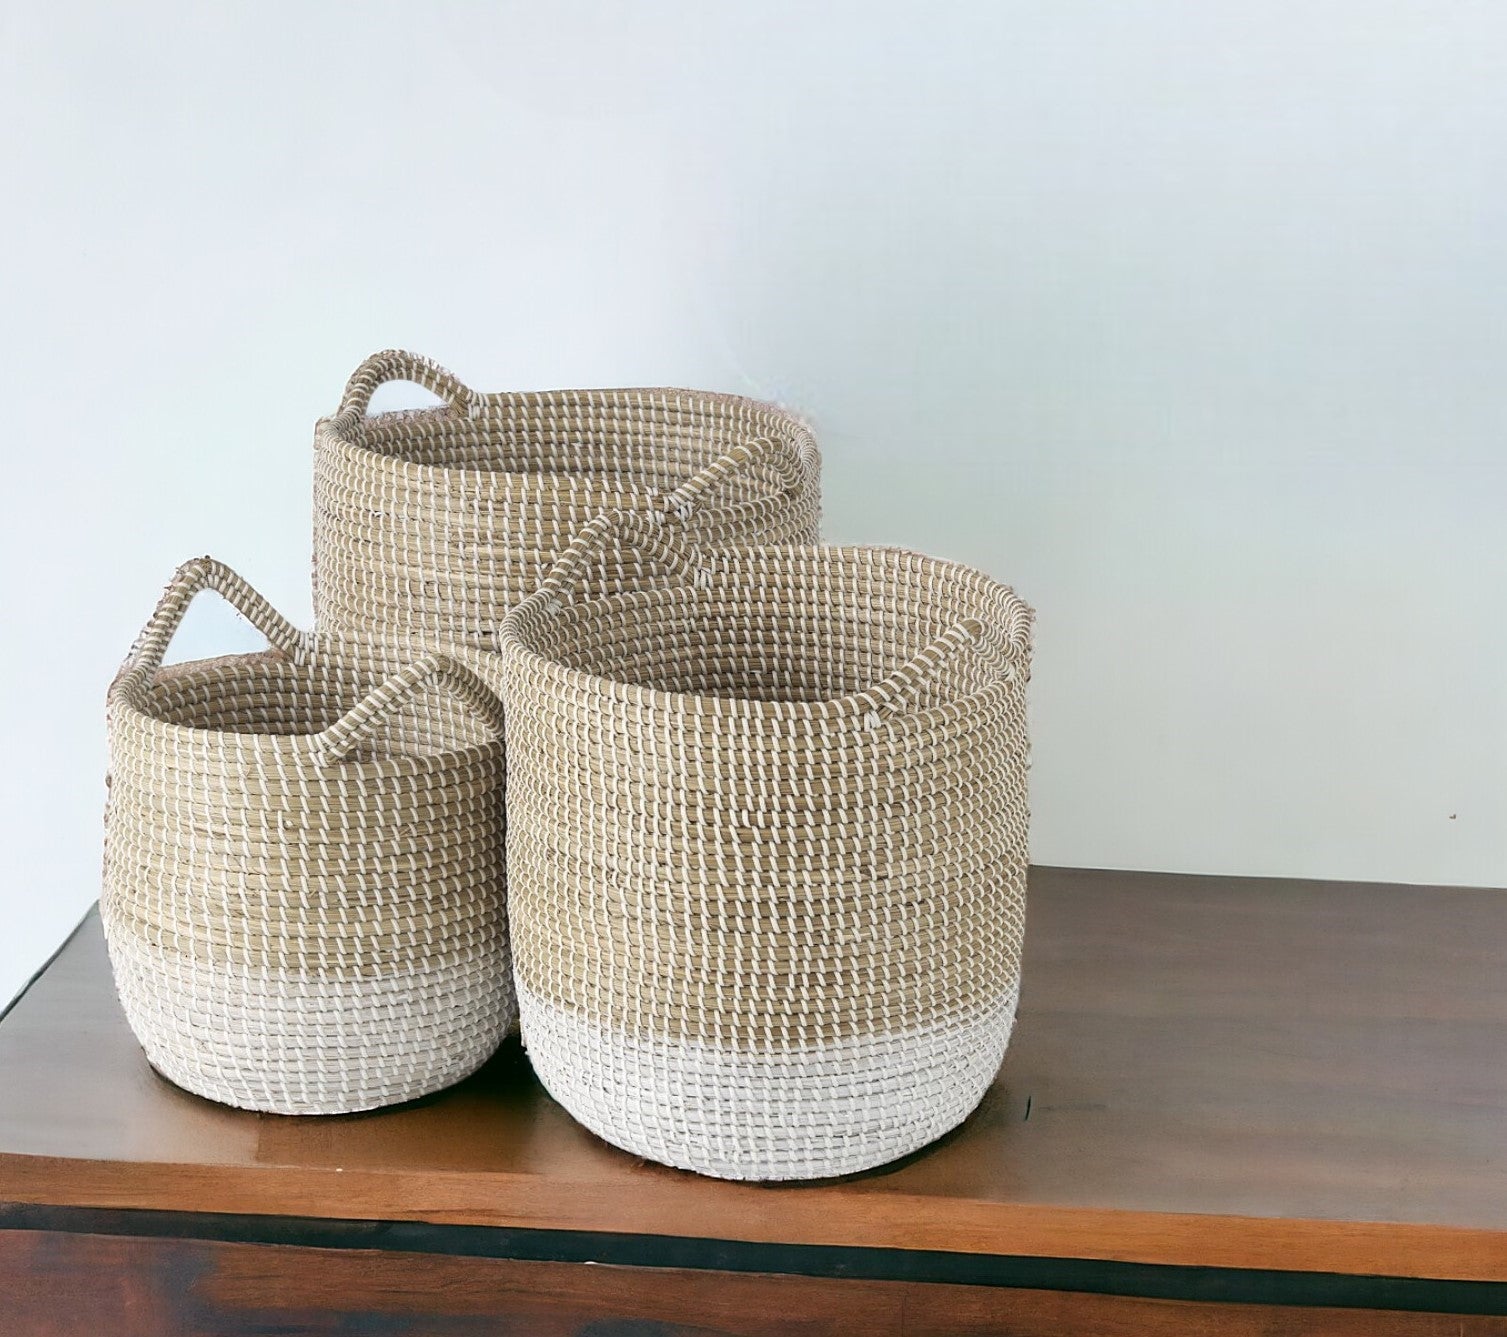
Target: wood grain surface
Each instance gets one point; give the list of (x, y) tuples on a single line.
[(89, 1285), (1206, 1071)]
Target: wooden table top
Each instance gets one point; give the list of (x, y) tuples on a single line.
[(1207, 1072)]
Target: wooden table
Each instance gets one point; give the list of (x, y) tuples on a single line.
[(1232, 1106)]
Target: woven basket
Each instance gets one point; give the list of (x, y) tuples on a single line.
[(767, 849), (433, 523), (303, 887)]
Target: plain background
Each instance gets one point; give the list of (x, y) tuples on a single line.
[(1189, 319)]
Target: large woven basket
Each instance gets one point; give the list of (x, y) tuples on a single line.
[(303, 886), (433, 523), (767, 849)]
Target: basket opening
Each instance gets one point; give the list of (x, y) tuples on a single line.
[(268, 696), (632, 446), (794, 635)]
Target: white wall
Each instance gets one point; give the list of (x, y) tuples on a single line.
[(1189, 318)]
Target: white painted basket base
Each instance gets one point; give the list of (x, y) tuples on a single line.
[(807, 1113), (251, 1039)]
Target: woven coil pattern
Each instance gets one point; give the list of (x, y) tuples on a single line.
[(767, 848), (303, 883), (431, 524)]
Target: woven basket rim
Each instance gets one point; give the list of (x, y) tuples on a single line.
[(540, 481), (336, 429), (849, 706), (603, 393), (123, 699)]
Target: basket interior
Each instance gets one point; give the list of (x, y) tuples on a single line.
[(632, 444), (795, 625), (266, 694)]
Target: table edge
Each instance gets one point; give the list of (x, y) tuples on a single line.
[(1212, 1285), (902, 1223)]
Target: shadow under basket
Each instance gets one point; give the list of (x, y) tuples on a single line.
[(304, 888)]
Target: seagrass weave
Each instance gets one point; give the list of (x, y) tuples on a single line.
[(433, 523), (767, 848), (303, 883)]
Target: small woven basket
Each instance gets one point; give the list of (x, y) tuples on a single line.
[(432, 523), (767, 849), (303, 884)]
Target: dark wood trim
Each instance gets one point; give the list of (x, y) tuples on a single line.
[(1210, 1285), (63, 1285)]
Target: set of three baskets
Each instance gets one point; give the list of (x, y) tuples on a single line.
[(590, 736)]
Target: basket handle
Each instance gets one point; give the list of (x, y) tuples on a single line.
[(190, 580), (396, 364), (1006, 651), (335, 744), (683, 500), (646, 533)]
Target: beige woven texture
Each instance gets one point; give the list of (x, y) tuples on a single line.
[(433, 523), (303, 887), (767, 848)]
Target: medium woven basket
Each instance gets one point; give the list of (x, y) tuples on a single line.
[(303, 886), (767, 849), (433, 523)]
